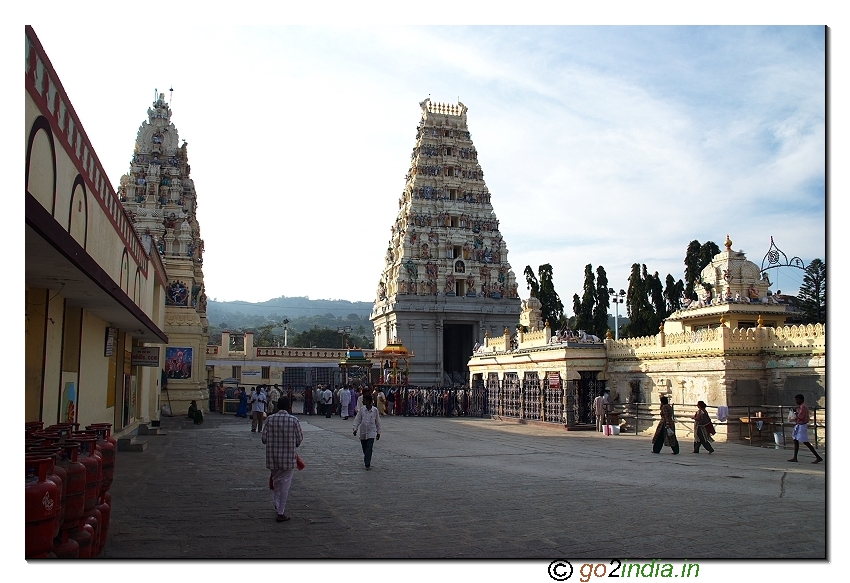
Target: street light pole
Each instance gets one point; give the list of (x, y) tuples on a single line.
[(285, 331), (618, 298), (344, 330)]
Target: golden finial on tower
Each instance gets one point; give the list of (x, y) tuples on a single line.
[(761, 322), (722, 319), (608, 335), (547, 323), (728, 243), (507, 332)]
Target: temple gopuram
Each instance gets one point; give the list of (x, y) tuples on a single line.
[(160, 199), (446, 281)]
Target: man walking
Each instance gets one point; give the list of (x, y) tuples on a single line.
[(258, 407), (274, 395), (344, 402), (369, 423), (282, 435), (600, 406), (801, 431), (328, 401)]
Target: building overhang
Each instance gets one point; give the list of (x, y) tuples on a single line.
[(55, 261)]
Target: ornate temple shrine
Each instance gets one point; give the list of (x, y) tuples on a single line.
[(160, 199), (446, 281)]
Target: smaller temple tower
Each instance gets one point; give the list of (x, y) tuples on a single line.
[(160, 198)]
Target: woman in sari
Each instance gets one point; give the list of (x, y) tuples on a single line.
[(703, 429), (242, 411), (665, 433)]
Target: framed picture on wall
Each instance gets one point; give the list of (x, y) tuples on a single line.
[(178, 362)]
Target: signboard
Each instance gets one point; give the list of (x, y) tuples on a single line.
[(145, 356), (109, 342), (252, 374), (554, 380)]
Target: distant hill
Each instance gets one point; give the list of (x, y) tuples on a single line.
[(284, 307)]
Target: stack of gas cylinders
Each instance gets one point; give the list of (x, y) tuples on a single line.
[(68, 504)]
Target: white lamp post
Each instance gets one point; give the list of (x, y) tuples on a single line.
[(618, 298)]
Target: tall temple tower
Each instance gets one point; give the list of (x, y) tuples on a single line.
[(160, 198), (446, 281)]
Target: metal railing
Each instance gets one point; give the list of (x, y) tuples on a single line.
[(755, 424)]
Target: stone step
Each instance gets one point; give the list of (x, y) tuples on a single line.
[(151, 430), (131, 444)]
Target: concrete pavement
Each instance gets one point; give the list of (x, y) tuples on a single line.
[(461, 488)]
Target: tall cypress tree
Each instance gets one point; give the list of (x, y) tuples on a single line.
[(673, 294), (692, 268), (659, 305), (584, 317), (812, 294), (553, 309), (600, 311)]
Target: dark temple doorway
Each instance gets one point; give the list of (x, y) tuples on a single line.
[(457, 349)]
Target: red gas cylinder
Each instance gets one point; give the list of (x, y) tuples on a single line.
[(33, 426), (48, 436), (58, 475), (75, 487), (105, 514), (95, 520), (66, 429), (82, 534), (64, 547), (42, 503), (107, 450), (94, 468)]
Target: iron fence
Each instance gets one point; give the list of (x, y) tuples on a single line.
[(754, 424)]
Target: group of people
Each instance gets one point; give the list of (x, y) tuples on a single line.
[(703, 429), (282, 435), (344, 402), (259, 404)]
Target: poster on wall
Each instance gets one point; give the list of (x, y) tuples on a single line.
[(68, 404), (178, 362)]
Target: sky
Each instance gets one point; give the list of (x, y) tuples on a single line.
[(601, 145)]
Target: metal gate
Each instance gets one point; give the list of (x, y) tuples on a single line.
[(580, 397)]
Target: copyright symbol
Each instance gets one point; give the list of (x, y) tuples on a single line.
[(560, 570)]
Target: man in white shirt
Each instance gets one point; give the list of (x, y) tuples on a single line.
[(274, 395), (369, 423), (344, 401), (258, 407), (328, 401), (599, 412)]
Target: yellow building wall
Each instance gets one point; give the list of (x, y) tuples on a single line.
[(94, 373)]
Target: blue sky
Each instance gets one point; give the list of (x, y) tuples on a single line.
[(604, 145)]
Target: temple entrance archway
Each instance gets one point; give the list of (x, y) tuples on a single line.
[(458, 341)]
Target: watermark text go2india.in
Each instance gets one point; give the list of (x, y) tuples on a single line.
[(562, 570)]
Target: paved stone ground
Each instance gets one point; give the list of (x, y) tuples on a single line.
[(461, 488)]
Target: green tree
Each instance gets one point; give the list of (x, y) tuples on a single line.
[(600, 311), (673, 294), (812, 294), (659, 304), (584, 308), (697, 257), (692, 268), (642, 317), (544, 290)]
